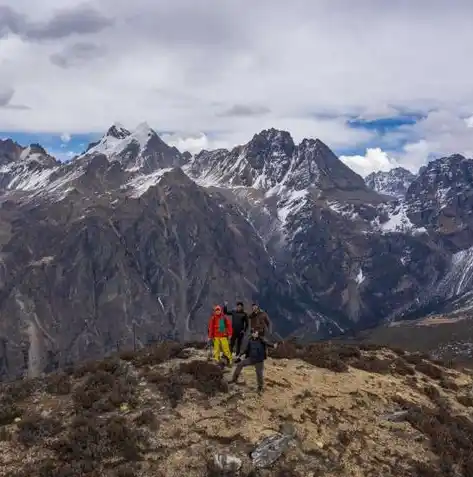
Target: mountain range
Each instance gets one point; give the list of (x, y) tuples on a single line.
[(133, 241)]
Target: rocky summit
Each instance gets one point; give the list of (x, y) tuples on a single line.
[(394, 182), (132, 242), (329, 410)]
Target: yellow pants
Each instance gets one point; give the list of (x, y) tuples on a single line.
[(221, 344)]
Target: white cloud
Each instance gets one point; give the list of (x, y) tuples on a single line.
[(185, 66), (65, 137), (441, 133), (374, 160), (192, 143)]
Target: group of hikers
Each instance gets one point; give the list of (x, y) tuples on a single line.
[(227, 330)]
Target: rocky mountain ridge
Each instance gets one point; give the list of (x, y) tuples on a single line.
[(394, 182), (134, 241)]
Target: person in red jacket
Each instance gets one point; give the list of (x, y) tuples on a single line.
[(220, 330)]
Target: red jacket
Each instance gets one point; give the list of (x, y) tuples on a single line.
[(220, 326)]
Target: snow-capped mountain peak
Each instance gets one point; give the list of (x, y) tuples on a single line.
[(394, 182), (117, 131), (271, 160), (139, 150)]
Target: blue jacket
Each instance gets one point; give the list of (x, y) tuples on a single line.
[(257, 349)]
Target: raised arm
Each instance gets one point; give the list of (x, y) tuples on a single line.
[(226, 311)]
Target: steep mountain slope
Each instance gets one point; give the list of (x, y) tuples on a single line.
[(441, 199), (24, 168), (134, 241), (394, 182), (80, 275), (356, 253), (329, 410), (101, 254)]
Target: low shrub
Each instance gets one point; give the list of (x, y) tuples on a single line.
[(9, 411), (34, 429), (415, 358), (91, 441), (465, 400), (402, 368), (20, 390), (432, 392), (208, 378), (170, 386), (59, 384), (157, 354), (103, 392), (430, 369), (109, 365), (374, 364), (5, 435), (147, 418), (449, 384), (449, 435)]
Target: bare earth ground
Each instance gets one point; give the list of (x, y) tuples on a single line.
[(166, 411)]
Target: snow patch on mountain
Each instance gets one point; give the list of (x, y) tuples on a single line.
[(442, 196), (459, 279), (118, 139), (291, 204), (345, 210), (141, 183), (27, 180), (360, 278), (394, 218)]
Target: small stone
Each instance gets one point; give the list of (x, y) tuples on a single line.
[(227, 462)]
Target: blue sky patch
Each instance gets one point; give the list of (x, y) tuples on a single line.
[(383, 126), (61, 146)]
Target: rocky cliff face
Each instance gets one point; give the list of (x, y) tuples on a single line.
[(441, 199), (394, 182), (133, 241), (356, 253)]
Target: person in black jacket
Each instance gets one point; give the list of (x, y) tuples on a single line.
[(239, 325), (255, 354)]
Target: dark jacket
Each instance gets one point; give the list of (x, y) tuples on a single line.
[(259, 321), (239, 320), (256, 349)]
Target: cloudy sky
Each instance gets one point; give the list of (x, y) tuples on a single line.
[(382, 83)]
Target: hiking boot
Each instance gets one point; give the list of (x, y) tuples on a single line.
[(259, 390)]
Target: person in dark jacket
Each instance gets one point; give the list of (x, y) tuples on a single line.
[(239, 326), (259, 320), (255, 354)]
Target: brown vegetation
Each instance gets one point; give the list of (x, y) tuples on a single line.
[(112, 414), (34, 429)]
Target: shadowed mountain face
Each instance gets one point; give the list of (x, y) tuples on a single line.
[(133, 241)]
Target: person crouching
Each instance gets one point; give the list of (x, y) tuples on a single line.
[(220, 329), (255, 354)]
